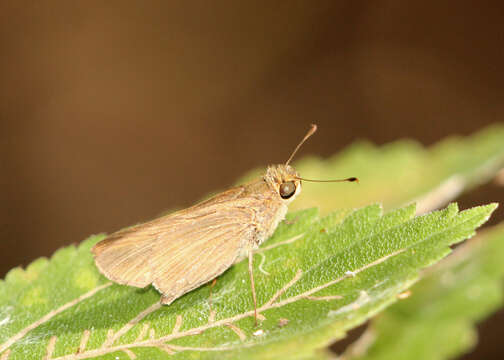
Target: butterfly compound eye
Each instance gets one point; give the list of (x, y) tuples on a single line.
[(287, 189)]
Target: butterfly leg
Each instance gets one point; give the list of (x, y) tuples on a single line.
[(251, 273), (214, 281)]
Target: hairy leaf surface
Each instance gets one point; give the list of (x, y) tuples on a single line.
[(315, 279), (437, 321)]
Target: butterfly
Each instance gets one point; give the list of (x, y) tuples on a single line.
[(179, 252)]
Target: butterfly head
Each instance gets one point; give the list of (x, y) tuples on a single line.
[(284, 181)]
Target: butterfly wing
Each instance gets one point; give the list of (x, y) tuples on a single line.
[(201, 252), (178, 252)]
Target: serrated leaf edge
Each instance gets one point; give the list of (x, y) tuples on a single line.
[(107, 346)]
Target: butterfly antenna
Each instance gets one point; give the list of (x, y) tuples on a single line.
[(310, 132), (350, 179)]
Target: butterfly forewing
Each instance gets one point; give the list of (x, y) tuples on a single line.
[(178, 252), (202, 257)]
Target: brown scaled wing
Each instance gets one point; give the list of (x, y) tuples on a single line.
[(181, 251)]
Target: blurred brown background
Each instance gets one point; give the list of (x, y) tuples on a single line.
[(112, 112)]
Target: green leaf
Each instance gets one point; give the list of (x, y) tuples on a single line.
[(315, 279), (401, 172), (437, 321)]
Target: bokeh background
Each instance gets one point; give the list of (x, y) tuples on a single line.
[(113, 112)]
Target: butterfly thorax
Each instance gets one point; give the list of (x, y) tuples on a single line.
[(272, 208)]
